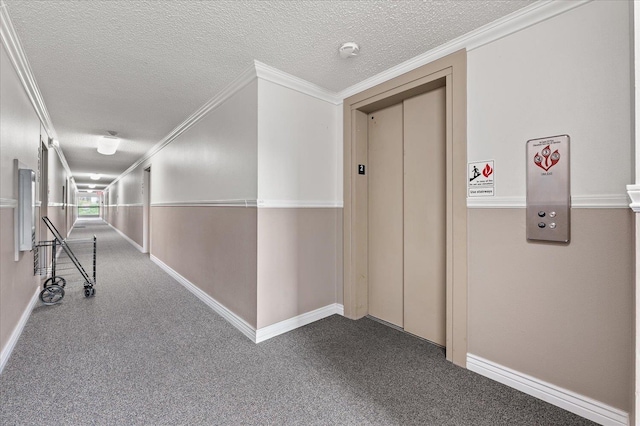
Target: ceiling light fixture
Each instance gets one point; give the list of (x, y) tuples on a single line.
[(95, 177), (91, 186), (349, 50), (107, 145)]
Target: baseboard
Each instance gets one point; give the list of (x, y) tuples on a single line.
[(245, 328), (563, 398), (220, 309), (6, 352), (123, 235), (266, 333)]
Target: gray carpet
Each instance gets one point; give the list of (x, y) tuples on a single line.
[(146, 351)]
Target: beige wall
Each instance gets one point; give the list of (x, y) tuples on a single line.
[(128, 220), (243, 152), (560, 313), (19, 138), (296, 261), (17, 283), (214, 248)]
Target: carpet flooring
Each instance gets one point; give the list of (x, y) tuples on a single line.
[(145, 351)]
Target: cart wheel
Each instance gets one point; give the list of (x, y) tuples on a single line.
[(55, 281), (89, 292), (52, 294)]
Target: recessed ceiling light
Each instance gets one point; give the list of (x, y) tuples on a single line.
[(95, 177), (349, 50)]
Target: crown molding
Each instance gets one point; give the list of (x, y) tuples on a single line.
[(276, 76), (514, 22), (500, 28), (20, 62), (237, 84), (18, 58), (257, 70)]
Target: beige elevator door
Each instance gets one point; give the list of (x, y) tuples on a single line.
[(385, 215), (407, 221)]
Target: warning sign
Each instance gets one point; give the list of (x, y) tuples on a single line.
[(480, 179)]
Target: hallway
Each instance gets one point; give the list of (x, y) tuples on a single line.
[(145, 351), (229, 142)]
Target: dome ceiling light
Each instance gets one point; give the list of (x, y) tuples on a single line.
[(108, 145)]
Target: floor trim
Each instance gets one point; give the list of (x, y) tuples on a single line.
[(244, 327), (15, 335), (123, 235), (266, 333), (563, 398), (262, 334)]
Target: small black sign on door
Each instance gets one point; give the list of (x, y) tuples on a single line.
[(360, 169)]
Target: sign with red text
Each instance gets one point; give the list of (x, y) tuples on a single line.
[(480, 181)]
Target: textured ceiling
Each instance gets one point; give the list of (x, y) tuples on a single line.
[(140, 68)]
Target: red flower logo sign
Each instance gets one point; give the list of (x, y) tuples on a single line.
[(486, 172), (547, 160)]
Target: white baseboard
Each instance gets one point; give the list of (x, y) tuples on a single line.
[(266, 333), (245, 328), (6, 351), (563, 398), (123, 235), (220, 309)]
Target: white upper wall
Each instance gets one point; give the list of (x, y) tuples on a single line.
[(129, 188), (215, 159), (568, 75), (19, 127), (299, 148)]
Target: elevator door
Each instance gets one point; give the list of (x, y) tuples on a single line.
[(407, 221)]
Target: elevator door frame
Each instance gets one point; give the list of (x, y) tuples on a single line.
[(450, 72)]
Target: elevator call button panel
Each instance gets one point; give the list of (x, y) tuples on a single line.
[(548, 189)]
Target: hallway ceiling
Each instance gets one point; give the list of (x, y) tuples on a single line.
[(140, 68)]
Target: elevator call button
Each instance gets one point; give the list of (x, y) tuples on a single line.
[(548, 189)]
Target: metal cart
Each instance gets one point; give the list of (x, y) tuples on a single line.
[(66, 255)]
